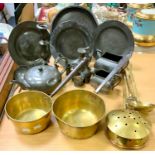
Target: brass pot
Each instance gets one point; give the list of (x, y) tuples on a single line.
[(127, 129), (78, 113), (30, 111)]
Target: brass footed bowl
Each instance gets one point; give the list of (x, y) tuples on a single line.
[(30, 111), (78, 113)]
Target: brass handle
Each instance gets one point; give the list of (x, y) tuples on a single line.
[(130, 81)]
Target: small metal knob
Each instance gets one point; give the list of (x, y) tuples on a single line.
[(40, 69), (83, 51)]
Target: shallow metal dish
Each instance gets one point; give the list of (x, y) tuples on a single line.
[(24, 43), (113, 37), (79, 113), (76, 14), (67, 38)]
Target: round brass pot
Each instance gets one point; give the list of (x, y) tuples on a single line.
[(127, 129), (78, 113), (30, 111)]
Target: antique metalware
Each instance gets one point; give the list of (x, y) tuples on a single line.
[(30, 111), (127, 129), (82, 76), (105, 64), (24, 43), (116, 70), (112, 37), (113, 41), (41, 77), (82, 62), (99, 75), (132, 8), (76, 14), (67, 38), (131, 97), (78, 113), (143, 27), (102, 68)]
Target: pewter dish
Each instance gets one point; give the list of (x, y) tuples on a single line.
[(76, 14), (113, 37), (24, 44)]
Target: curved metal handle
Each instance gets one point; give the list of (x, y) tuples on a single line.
[(43, 43), (52, 82), (42, 26), (4, 38), (117, 81), (57, 61)]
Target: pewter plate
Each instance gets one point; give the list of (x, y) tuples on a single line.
[(113, 37), (67, 38), (24, 44), (76, 14)]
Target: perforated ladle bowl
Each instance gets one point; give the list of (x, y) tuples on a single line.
[(127, 129)]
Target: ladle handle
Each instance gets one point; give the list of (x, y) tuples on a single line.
[(131, 84), (70, 75)]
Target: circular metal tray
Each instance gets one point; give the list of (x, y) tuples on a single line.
[(67, 38), (113, 37), (76, 14), (24, 44)]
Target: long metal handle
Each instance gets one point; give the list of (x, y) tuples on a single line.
[(70, 75), (121, 63), (131, 84)]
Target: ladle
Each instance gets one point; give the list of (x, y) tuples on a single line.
[(132, 99)]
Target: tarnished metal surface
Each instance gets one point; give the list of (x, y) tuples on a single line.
[(113, 37), (24, 43), (67, 38), (42, 77), (76, 14)]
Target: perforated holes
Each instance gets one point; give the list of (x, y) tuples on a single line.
[(134, 118), (135, 131), (124, 116), (118, 117), (126, 124), (137, 123)]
